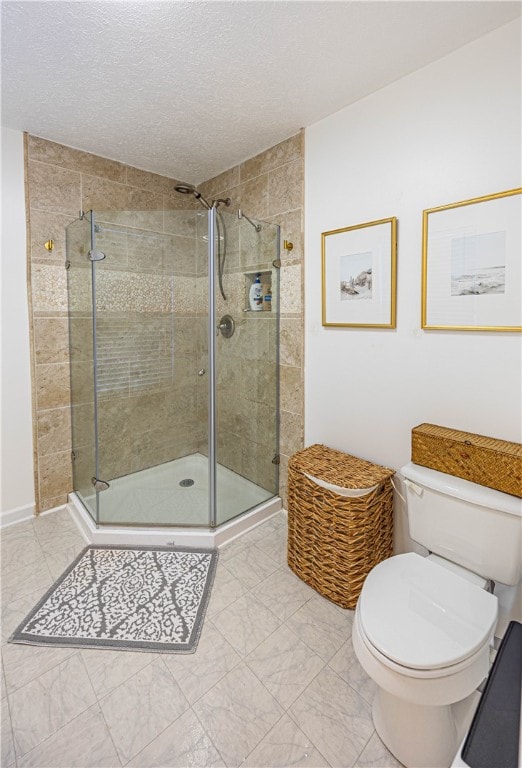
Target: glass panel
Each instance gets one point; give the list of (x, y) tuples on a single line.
[(247, 376), (151, 333), (79, 288)]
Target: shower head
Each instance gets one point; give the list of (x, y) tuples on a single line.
[(185, 189), (190, 189)]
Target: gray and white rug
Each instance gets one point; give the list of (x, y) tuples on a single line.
[(126, 598)]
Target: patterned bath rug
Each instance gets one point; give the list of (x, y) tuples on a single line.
[(125, 598)]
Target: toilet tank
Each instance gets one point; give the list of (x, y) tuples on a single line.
[(466, 523)]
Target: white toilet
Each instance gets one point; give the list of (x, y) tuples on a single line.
[(423, 625)]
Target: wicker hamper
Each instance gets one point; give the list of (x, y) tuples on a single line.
[(483, 460), (335, 540)]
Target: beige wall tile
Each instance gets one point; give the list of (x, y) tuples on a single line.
[(291, 432), (51, 340), (54, 189), (285, 188), (291, 342), (48, 226), (55, 474), (219, 184), (54, 431), (282, 153), (291, 389), (128, 205), (56, 501), (49, 288), (52, 386), (254, 197), (74, 159), (291, 230), (291, 288), (151, 181), (179, 219)]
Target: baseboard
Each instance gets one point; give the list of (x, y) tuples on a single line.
[(17, 515)]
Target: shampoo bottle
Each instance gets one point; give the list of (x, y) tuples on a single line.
[(256, 294)]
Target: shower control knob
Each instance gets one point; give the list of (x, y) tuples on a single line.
[(201, 372)]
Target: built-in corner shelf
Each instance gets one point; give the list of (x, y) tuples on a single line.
[(265, 277)]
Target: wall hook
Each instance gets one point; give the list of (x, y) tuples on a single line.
[(287, 245), (49, 245)]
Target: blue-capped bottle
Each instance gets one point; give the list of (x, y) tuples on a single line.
[(256, 294)]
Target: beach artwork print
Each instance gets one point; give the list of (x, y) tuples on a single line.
[(356, 276), (478, 264)]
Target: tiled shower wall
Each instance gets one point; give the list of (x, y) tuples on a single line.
[(60, 182), (270, 186)]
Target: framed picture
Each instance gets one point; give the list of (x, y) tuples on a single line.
[(471, 264), (360, 275)]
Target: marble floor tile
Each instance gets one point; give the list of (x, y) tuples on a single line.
[(251, 565), (334, 717), (66, 540), (275, 546), (355, 676), (184, 744), (229, 551), (283, 592), (285, 746), (237, 713), (141, 708), (53, 525), (60, 559), (23, 663), (17, 552), (284, 665), (19, 582), (49, 702), (321, 626), (14, 612), (197, 672), (375, 755), (225, 590), (6, 737), (246, 623), (3, 689), (83, 743), (109, 669)]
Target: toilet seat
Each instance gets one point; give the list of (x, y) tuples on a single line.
[(422, 616)]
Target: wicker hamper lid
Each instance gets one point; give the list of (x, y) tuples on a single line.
[(338, 468)]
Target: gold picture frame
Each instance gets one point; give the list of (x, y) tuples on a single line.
[(471, 265), (359, 275)]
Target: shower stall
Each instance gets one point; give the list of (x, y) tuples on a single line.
[(174, 379)]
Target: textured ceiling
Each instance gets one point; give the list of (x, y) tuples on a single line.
[(190, 88)]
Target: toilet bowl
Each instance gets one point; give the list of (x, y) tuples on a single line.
[(422, 632)]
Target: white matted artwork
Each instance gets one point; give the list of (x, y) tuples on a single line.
[(359, 267), (471, 264)]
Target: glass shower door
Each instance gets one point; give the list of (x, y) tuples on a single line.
[(247, 365), (81, 351)]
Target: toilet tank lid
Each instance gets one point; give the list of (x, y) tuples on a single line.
[(462, 489)]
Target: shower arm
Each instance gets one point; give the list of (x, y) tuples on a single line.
[(241, 215)]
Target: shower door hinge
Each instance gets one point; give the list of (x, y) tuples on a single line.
[(67, 264), (73, 456), (99, 485), (277, 263), (276, 459), (96, 255)]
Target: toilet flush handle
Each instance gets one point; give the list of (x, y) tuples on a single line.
[(418, 489)]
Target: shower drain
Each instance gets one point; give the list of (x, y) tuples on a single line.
[(186, 483)]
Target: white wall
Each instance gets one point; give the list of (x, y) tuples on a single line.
[(17, 477), (448, 132)]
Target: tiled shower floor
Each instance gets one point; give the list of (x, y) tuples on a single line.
[(274, 680), (155, 496)]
